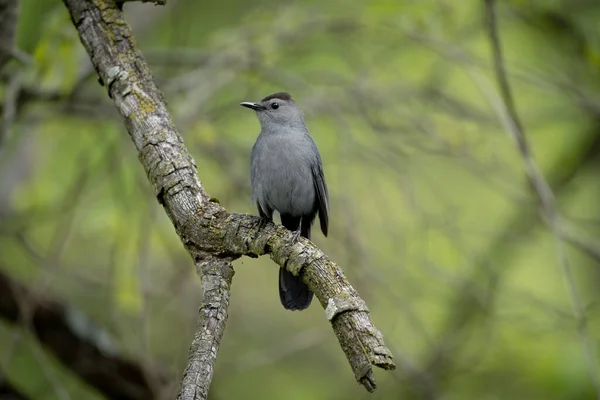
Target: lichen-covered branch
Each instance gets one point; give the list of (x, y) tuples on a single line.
[(216, 273), (212, 236)]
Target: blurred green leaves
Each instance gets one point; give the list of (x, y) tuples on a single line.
[(58, 54), (432, 219)]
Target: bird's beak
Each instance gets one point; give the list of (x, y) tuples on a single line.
[(254, 106)]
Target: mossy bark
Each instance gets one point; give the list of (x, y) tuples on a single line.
[(212, 236)]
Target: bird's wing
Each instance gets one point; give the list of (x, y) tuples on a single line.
[(322, 195)]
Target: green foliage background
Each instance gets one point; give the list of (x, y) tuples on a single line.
[(432, 219)]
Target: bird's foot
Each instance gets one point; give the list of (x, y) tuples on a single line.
[(262, 223), (295, 237)]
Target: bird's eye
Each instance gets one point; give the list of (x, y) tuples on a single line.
[(274, 106)]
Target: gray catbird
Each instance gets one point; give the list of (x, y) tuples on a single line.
[(287, 177)]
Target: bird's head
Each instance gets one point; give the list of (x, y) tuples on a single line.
[(277, 111)]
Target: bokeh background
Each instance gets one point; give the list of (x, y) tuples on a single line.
[(432, 217)]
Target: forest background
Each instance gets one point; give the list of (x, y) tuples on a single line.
[(481, 290)]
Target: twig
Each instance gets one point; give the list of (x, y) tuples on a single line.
[(510, 119), (586, 246), (212, 236), (10, 109), (22, 56)]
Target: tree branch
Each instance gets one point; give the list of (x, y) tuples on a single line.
[(216, 276), (53, 325), (213, 237), (9, 110)]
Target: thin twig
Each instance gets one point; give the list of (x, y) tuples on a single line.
[(9, 111), (510, 119), (581, 243)]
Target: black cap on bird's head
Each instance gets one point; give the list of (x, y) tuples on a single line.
[(272, 102), (279, 95)]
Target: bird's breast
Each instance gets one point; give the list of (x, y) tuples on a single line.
[(282, 172)]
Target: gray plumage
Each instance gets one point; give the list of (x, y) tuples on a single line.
[(287, 177)]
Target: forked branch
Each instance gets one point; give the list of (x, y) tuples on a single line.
[(211, 235)]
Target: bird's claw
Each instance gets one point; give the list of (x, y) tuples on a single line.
[(262, 223), (295, 237)]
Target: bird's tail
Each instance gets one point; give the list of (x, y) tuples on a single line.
[(293, 293)]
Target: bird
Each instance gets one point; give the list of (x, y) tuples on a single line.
[(287, 176)]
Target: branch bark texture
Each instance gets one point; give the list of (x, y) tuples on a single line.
[(212, 236)]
